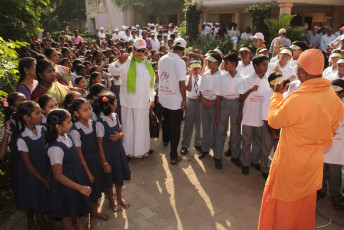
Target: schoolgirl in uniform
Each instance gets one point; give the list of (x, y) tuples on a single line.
[(111, 151), (95, 90), (34, 165), (70, 97), (9, 137), (84, 136), (70, 186), (47, 103)]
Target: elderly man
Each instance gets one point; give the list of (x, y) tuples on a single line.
[(136, 96), (308, 119), (315, 37), (281, 40)]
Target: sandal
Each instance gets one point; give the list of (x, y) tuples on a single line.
[(338, 205), (175, 161)]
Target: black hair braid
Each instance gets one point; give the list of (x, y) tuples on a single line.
[(55, 117)]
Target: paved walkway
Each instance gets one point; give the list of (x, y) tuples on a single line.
[(191, 195)]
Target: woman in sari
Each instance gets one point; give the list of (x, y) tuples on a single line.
[(27, 83), (47, 83), (62, 72)]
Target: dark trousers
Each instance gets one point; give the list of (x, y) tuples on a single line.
[(333, 173), (171, 129)]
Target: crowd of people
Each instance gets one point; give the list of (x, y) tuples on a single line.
[(75, 102)]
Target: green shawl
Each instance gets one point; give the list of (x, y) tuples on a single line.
[(131, 77)]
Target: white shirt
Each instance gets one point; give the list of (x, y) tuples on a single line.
[(330, 73), (195, 89), (55, 153), (334, 153), (234, 33), (325, 41), (245, 70), (286, 70), (127, 38), (293, 63), (228, 85), (172, 70), (75, 135), (140, 99), (252, 112), (116, 37), (266, 104), (274, 59), (155, 45), (22, 146), (111, 122), (246, 36), (294, 85), (209, 84)]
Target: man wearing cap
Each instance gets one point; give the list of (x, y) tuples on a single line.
[(331, 72), (340, 64), (308, 119), (245, 66), (281, 40), (262, 51), (208, 98), (101, 35), (193, 113), (282, 66), (116, 36), (258, 40), (297, 47), (136, 96), (155, 44), (252, 90), (228, 106), (172, 95)]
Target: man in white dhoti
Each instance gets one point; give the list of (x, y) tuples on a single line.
[(136, 97)]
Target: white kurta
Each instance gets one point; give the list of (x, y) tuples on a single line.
[(135, 108)]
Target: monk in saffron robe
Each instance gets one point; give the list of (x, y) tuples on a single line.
[(308, 119)]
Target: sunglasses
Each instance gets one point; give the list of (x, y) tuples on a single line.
[(140, 50)]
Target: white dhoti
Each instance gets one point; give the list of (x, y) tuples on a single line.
[(135, 124)]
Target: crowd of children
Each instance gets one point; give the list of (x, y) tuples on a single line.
[(63, 125)]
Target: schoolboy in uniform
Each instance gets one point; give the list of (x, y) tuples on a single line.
[(228, 105), (193, 113)]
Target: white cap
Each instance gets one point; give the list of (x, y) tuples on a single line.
[(101, 28), (140, 44), (124, 27), (116, 30), (258, 36), (180, 42), (282, 31), (137, 25)]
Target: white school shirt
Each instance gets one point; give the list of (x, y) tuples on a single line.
[(111, 122), (330, 73), (266, 104), (293, 86), (293, 63), (228, 85), (195, 89), (155, 45), (28, 133), (245, 70), (252, 112), (334, 153), (287, 70), (172, 70), (116, 37), (246, 36), (140, 99), (75, 135), (56, 153), (209, 84), (274, 59)]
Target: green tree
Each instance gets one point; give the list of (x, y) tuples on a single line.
[(153, 8), (19, 18), (193, 12)]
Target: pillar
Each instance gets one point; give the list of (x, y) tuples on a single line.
[(180, 17), (237, 18), (130, 18), (336, 14), (285, 7)]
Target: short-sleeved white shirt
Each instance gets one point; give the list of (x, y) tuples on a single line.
[(22, 146), (111, 122), (209, 85), (245, 70), (116, 37), (287, 70), (75, 135), (56, 153), (252, 112), (196, 83), (172, 70), (330, 73), (334, 153), (266, 105), (228, 85)]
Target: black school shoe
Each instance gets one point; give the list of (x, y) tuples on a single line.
[(202, 155), (218, 163), (183, 151), (198, 148), (228, 153), (150, 151), (236, 161), (245, 170)]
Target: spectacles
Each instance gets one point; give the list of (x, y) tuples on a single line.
[(140, 50)]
